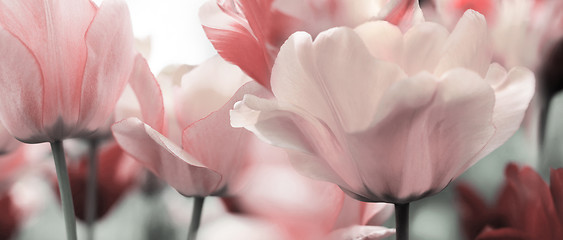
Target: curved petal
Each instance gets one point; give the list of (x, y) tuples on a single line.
[(22, 87), (383, 39), (422, 46), (304, 137), (362, 233), (110, 61), (424, 132), (467, 46), (205, 89), (53, 31), (342, 80), (148, 94), (219, 146), (513, 93), (165, 159), (255, 26)]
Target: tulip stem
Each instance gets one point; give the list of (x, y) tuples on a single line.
[(402, 220), (91, 188), (64, 189), (196, 217)]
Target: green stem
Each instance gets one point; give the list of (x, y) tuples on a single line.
[(402, 221), (196, 217), (91, 188), (64, 189)]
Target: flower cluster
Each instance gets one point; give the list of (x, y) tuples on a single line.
[(314, 118)]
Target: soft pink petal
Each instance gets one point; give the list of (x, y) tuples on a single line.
[(219, 146), (53, 31), (383, 39), (467, 46), (148, 94), (110, 61), (22, 88), (362, 233), (425, 132), (167, 160), (303, 137), (205, 89), (513, 92), (342, 80), (422, 46)]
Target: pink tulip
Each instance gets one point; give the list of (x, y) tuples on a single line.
[(64, 64), (389, 116), (303, 208), (259, 27), (211, 156)]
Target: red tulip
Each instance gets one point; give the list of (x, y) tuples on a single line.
[(63, 65), (526, 209)]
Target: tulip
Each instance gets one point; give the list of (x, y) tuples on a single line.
[(387, 116), (64, 64), (527, 208), (260, 27), (212, 156)]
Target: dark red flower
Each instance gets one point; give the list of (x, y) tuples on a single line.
[(526, 209)]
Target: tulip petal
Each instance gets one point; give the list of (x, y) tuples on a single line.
[(425, 131), (219, 146), (467, 46), (19, 70), (165, 159), (422, 46), (252, 25), (55, 36), (303, 138), (148, 94), (513, 92), (110, 61), (333, 71), (206, 89), (384, 40)]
